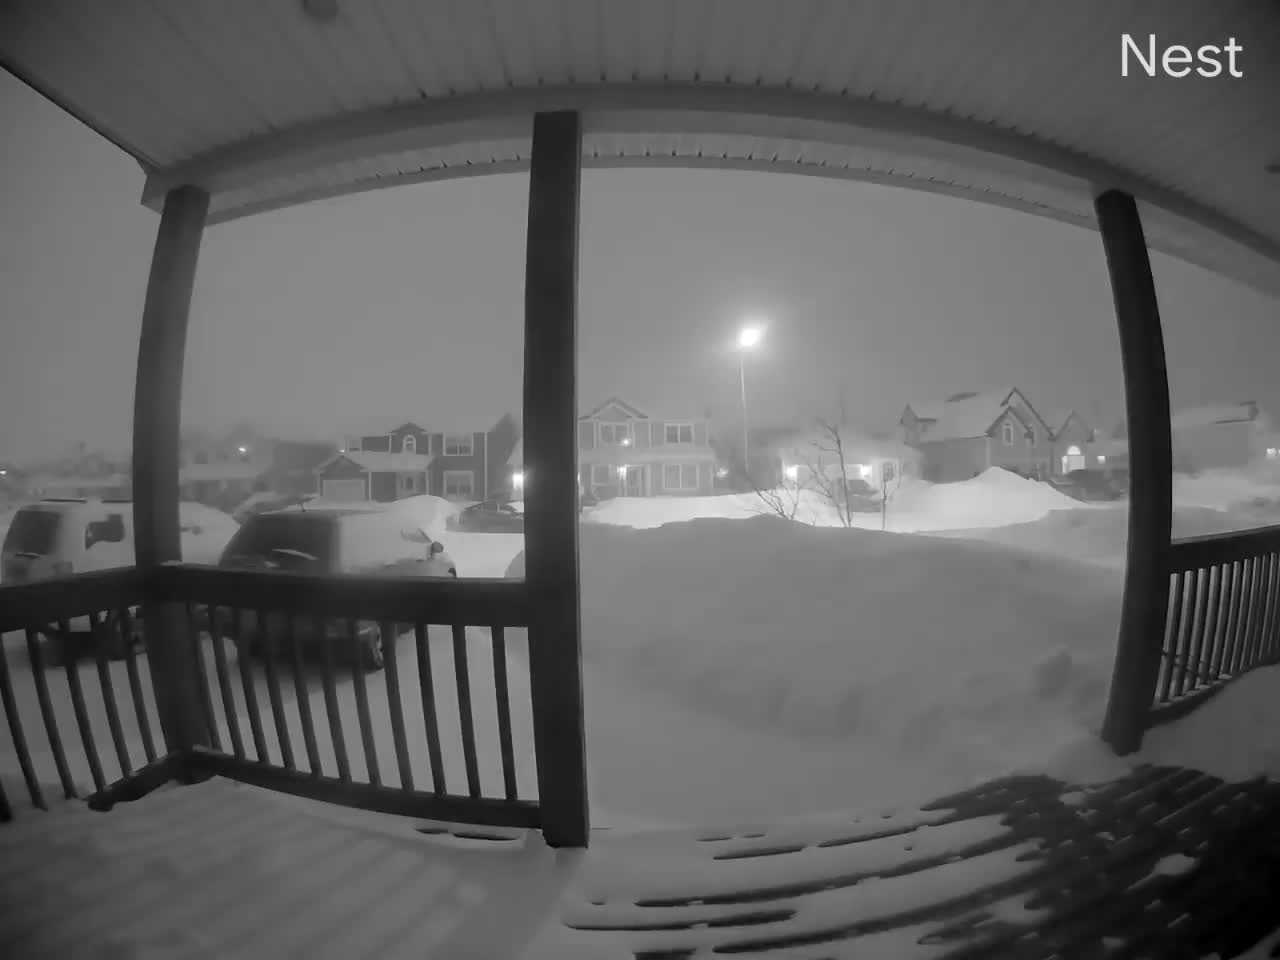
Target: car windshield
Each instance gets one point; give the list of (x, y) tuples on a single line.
[(33, 531), (288, 541)]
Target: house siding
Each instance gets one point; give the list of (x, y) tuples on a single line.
[(382, 486), (501, 440), (443, 463), (948, 461)]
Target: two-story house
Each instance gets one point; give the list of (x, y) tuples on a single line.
[(622, 451), (221, 471), (411, 460), (970, 432)]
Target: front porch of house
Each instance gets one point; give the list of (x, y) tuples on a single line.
[(202, 757)]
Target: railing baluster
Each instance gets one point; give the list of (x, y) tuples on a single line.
[(101, 648), (245, 668), (426, 685), (1173, 616), (302, 695), (16, 732), (504, 711), (1196, 672), (1258, 611), (362, 704), (273, 691), (1272, 634), (1225, 621), (71, 666), (47, 714), (1185, 624), (389, 636), (1212, 638), (136, 694), (225, 688), (462, 676), (331, 703), (1219, 615), (1239, 608), (202, 676), (1249, 613)]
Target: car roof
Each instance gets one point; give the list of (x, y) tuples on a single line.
[(319, 513)]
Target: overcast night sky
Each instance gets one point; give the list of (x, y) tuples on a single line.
[(366, 311)]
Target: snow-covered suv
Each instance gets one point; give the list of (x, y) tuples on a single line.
[(328, 541)]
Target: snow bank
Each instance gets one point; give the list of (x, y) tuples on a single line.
[(1099, 534), (995, 498), (955, 656), (1228, 489)]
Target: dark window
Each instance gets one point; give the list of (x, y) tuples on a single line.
[(33, 531)]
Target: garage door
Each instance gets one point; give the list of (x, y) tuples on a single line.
[(348, 488)]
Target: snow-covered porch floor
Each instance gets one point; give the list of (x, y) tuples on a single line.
[(1164, 863)]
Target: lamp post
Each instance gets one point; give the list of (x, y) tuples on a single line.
[(748, 338)]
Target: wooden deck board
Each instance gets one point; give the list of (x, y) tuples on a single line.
[(1164, 863)]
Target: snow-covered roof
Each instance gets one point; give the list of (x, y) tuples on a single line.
[(383, 462), (964, 415), (1241, 412)]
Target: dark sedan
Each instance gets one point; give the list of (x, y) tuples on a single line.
[(491, 516), (1090, 485)]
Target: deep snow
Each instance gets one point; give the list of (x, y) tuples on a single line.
[(729, 661)]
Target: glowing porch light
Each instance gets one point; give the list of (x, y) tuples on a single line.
[(864, 471), (1101, 458), (791, 471), (517, 480)]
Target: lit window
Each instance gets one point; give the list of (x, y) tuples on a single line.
[(615, 434)]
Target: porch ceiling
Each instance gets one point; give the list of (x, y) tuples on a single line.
[(1001, 101)]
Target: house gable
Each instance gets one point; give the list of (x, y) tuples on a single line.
[(340, 466), (421, 442), (614, 410), (1017, 400)]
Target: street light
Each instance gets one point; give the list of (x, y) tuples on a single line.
[(749, 338)]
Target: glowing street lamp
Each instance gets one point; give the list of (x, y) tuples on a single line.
[(749, 338)]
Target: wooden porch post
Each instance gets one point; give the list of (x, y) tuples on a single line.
[(551, 485), (157, 409), (1146, 389)]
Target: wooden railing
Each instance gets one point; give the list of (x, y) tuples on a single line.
[(260, 638), (1223, 617), (76, 689), (424, 733)]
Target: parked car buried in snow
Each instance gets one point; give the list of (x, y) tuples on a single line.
[(331, 541), (59, 537), (1090, 485), (492, 516)]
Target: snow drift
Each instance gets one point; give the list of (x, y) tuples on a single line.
[(994, 498), (963, 655)]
